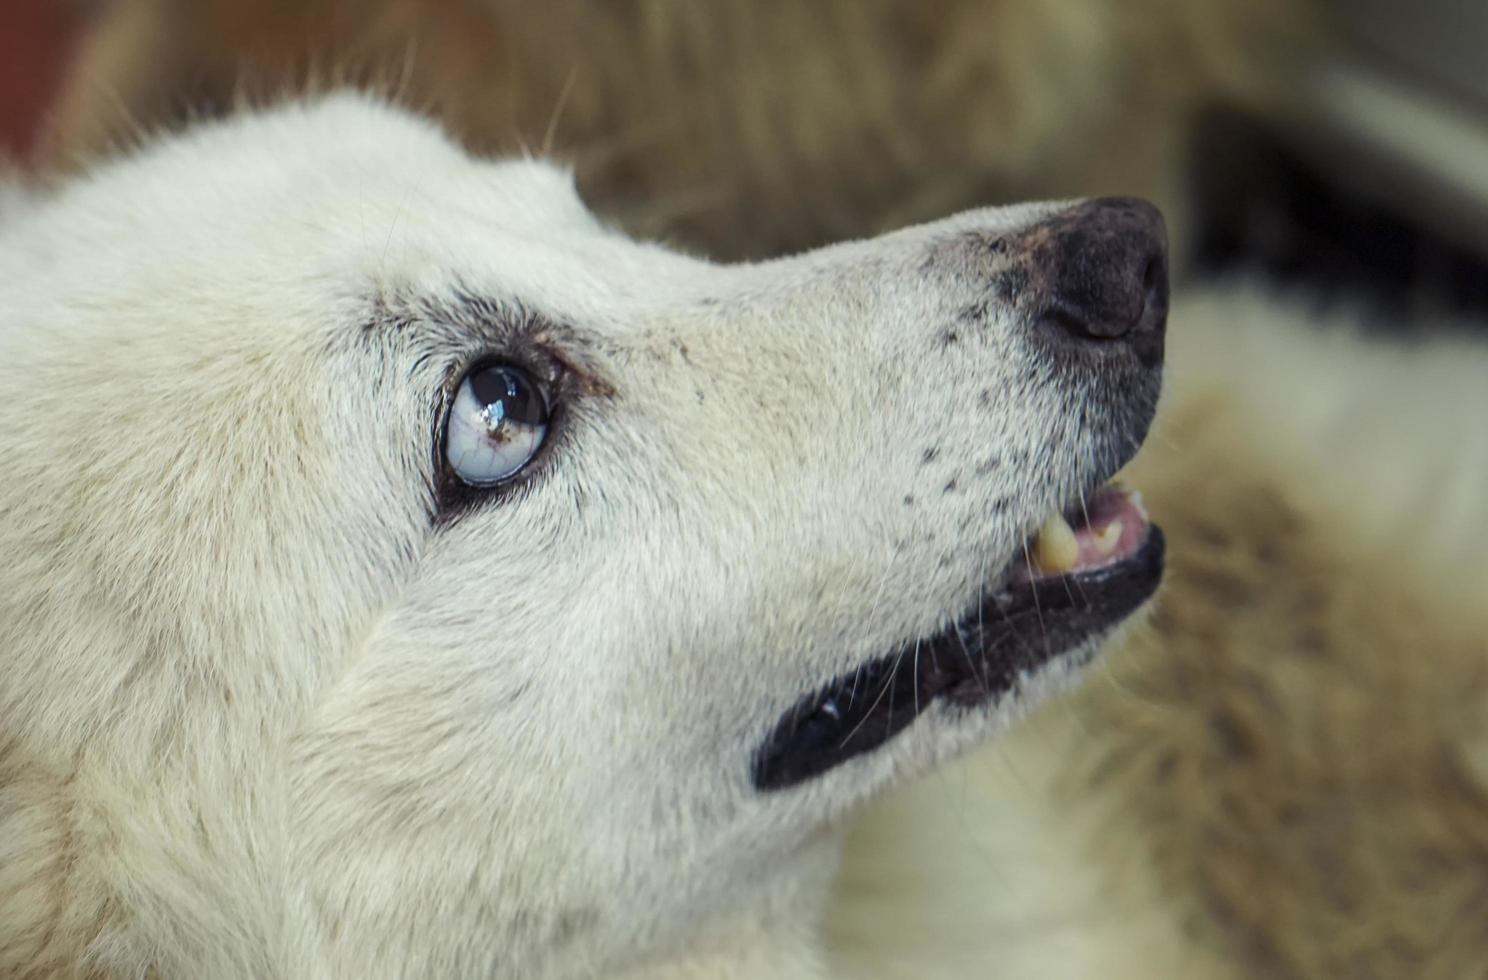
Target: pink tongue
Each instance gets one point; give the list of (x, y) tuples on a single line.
[(1105, 507)]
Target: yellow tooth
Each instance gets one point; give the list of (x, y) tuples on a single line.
[(1054, 547), (1105, 541)]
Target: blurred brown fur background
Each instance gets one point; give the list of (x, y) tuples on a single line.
[(738, 127)]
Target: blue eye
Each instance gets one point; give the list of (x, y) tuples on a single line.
[(496, 425)]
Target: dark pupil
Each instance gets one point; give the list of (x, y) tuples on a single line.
[(518, 396)]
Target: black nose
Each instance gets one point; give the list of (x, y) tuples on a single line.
[(1104, 268)]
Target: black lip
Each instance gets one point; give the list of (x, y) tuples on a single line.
[(976, 661)]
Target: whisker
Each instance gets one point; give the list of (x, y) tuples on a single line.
[(1070, 579), (914, 681), (874, 706), (970, 660), (878, 596), (1038, 609), (552, 131), (893, 678)]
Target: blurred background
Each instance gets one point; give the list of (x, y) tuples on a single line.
[(37, 39), (1343, 149), (1375, 181)]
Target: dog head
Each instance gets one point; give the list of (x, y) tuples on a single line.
[(394, 544)]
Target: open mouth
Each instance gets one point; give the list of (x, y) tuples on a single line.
[(1084, 572)]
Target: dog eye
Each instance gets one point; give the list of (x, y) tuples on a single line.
[(496, 425)]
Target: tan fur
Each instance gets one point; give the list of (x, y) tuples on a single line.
[(1289, 740), (1294, 739)]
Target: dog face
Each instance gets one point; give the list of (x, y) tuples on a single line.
[(496, 593)]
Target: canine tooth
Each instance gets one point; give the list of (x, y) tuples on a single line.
[(1105, 541), (1054, 547)]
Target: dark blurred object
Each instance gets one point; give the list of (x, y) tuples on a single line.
[(1370, 180), (36, 38), (1266, 205)]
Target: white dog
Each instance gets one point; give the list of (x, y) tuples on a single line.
[(407, 576)]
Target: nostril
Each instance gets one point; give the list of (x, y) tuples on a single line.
[(1155, 292), (1153, 274), (1067, 319)]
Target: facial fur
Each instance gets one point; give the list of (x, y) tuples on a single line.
[(278, 698)]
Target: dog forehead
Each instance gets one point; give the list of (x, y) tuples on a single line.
[(336, 168), (342, 196)]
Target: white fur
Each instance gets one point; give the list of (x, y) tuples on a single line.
[(262, 716), (262, 713)]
